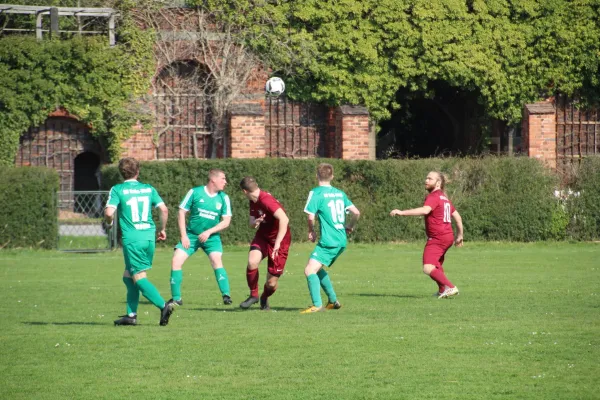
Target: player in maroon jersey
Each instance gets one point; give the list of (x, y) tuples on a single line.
[(272, 240), (438, 211)]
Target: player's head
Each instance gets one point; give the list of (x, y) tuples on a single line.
[(435, 180), (129, 168), (248, 185), (217, 178), (325, 172)]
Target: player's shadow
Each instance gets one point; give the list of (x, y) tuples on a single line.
[(401, 296), (63, 323), (237, 309)]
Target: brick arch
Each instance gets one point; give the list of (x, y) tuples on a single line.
[(56, 143), (183, 123)]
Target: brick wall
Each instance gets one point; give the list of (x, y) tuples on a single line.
[(140, 145), (539, 132), (354, 132), (247, 131)]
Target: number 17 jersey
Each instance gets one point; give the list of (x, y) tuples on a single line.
[(134, 201), (329, 205)]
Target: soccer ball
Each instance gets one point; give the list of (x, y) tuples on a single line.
[(275, 86)]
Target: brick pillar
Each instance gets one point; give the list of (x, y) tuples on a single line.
[(353, 125), (140, 145), (247, 131), (539, 132)]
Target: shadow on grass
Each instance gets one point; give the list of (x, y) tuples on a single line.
[(237, 309), (402, 296), (63, 323)]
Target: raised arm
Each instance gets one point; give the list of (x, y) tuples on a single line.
[(425, 210)]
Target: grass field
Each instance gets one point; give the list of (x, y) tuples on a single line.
[(525, 326)]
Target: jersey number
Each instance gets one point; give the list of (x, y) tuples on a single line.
[(135, 209), (447, 212), (337, 211)]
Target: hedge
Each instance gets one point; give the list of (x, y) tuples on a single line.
[(583, 202), (499, 198), (29, 218)]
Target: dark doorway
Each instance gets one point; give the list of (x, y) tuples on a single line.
[(441, 121), (87, 167)]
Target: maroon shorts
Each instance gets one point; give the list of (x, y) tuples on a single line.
[(436, 248), (277, 265)]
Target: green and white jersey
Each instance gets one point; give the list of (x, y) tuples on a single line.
[(329, 204), (205, 209), (133, 201)]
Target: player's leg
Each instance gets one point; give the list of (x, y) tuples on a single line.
[(258, 251), (179, 257), (140, 257), (325, 281), (314, 286), (216, 262), (432, 255), (275, 269), (133, 300)]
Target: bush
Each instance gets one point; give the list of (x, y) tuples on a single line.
[(584, 206), (499, 198), (30, 217)]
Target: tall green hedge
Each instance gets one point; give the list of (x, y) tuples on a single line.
[(29, 215), (583, 202), (499, 198)]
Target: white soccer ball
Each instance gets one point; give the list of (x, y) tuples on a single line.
[(275, 86)]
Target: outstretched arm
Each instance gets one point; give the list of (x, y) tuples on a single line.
[(458, 242), (425, 210)]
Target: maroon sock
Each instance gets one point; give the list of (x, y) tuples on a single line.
[(267, 292), (439, 276), (252, 279)]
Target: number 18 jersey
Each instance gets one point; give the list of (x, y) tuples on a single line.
[(438, 222), (329, 204), (134, 201)]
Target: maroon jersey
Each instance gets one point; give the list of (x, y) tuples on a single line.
[(267, 205), (438, 222)]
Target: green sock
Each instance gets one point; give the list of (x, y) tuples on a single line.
[(151, 293), (176, 279), (314, 289), (222, 281), (326, 285), (133, 296)]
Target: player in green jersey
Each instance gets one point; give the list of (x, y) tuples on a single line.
[(330, 206), (210, 213), (132, 200)]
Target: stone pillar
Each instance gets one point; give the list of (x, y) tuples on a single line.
[(353, 125), (247, 131), (139, 146), (539, 132)]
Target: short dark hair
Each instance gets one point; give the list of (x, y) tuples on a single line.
[(129, 167), (325, 172), (249, 184)]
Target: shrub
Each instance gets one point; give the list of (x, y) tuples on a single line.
[(30, 218)]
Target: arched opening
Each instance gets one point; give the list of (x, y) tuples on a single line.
[(87, 178), (444, 121)]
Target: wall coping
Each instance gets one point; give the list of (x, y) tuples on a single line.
[(247, 109), (353, 110), (540, 108)]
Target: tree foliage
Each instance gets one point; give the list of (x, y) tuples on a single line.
[(363, 51)]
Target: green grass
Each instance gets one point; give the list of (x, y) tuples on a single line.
[(526, 326), (82, 243)]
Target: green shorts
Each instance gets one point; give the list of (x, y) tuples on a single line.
[(138, 256), (213, 244), (326, 255)]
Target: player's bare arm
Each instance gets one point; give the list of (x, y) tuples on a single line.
[(458, 242), (163, 216), (255, 222), (185, 241), (109, 214), (224, 224), (417, 212), (283, 219), (312, 235), (354, 216)]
